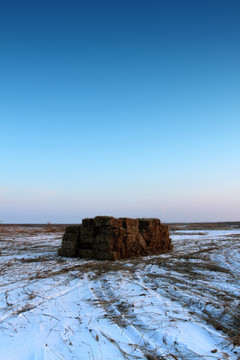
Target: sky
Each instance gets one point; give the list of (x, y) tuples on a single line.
[(122, 107)]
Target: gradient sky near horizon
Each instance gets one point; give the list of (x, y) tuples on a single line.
[(123, 108)]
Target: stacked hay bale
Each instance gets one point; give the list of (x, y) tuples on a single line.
[(109, 238), (70, 241)]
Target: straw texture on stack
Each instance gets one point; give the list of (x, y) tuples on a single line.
[(109, 238)]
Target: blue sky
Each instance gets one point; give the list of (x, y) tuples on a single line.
[(123, 108)]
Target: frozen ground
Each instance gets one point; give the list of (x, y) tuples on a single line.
[(183, 305)]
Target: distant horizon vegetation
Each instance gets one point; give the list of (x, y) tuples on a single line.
[(168, 223)]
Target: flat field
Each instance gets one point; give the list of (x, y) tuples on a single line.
[(182, 305)]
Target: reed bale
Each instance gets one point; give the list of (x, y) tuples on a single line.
[(109, 238)]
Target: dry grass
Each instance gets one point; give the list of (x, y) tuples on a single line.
[(180, 272), (204, 226)]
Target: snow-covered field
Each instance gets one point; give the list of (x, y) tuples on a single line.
[(182, 305)]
